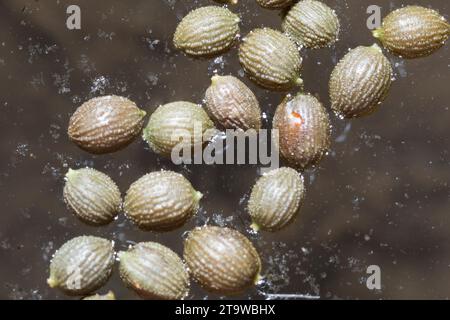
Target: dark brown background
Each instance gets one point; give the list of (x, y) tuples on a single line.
[(381, 196)]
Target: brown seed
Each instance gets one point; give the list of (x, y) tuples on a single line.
[(413, 32), (92, 195), (154, 271), (360, 82), (221, 260), (161, 201), (312, 24), (232, 105), (271, 59), (105, 124), (304, 130), (275, 199), (275, 4), (175, 123), (207, 31), (82, 265)]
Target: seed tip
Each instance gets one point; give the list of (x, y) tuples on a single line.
[(376, 47), (52, 283), (70, 173), (258, 279), (121, 253), (255, 227), (215, 79), (378, 33), (198, 196), (145, 135)]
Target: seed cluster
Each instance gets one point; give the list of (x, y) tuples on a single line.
[(223, 260)]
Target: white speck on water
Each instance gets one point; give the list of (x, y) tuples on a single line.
[(152, 79), (99, 85), (105, 35), (343, 136)]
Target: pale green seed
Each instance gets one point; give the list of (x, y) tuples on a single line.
[(92, 196), (154, 271), (312, 24), (161, 201), (271, 59), (360, 82), (413, 32), (207, 31), (81, 265), (221, 260), (276, 199), (177, 124)]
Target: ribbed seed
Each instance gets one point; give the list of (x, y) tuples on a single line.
[(154, 271), (271, 59), (82, 265), (92, 195), (221, 260), (413, 32), (207, 31), (312, 24), (108, 296), (275, 4), (175, 123), (275, 199), (232, 105), (105, 124), (304, 130), (360, 82), (161, 201)]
